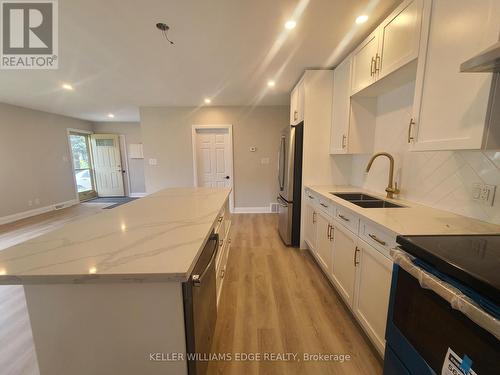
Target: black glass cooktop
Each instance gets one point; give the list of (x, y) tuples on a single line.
[(473, 260)]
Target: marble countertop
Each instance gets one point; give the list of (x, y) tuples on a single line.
[(413, 219), (155, 238)]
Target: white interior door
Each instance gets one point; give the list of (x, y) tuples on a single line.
[(107, 164), (213, 158)]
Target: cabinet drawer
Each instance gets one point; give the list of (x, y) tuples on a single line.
[(220, 227), (326, 206), (347, 219), (311, 197), (379, 238)]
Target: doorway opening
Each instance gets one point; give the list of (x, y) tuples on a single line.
[(213, 157), (81, 157), (97, 164)]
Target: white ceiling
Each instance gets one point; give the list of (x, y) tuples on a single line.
[(117, 61)]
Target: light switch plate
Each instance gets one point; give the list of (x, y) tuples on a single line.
[(264, 161), (153, 162)]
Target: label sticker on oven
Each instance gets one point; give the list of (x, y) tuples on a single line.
[(454, 365)]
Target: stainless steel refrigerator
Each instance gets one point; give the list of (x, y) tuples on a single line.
[(290, 183)]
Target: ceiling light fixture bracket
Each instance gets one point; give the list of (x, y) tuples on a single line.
[(164, 28)]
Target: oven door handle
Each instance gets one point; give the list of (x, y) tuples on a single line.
[(198, 279)]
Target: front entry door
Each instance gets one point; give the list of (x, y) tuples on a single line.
[(107, 164), (213, 164)]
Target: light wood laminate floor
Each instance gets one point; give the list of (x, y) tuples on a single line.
[(275, 299)]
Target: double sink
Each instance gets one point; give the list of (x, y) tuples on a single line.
[(366, 201)]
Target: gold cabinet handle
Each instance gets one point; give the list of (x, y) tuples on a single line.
[(372, 72), (328, 231), (356, 256), (343, 217), (375, 238), (310, 196), (410, 126), (344, 138), (331, 233), (222, 273), (377, 63), (324, 205), (295, 115), (314, 217)]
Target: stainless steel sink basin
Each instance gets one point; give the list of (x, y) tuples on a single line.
[(355, 197), (376, 204), (366, 201)]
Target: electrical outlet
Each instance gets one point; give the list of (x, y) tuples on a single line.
[(483, 193), (153, 162), (264, 161)]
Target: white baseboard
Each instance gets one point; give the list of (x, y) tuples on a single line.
[(37, 211), (252, 210), (137, 195)]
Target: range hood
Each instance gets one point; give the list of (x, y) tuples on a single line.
[(486, 61)]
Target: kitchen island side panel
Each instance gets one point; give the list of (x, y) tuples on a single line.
[(104, 329)]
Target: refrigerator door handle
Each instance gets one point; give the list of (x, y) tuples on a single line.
[(281, 202), (281, 164)]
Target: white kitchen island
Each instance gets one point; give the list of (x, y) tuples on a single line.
[(105, 293)]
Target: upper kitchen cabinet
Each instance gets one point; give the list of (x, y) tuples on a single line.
[(399, 38), (341, 107), (391, 46), (451, 108), (353, 118), (297, 98), (364, 59)]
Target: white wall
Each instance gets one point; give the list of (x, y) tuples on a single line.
[(166, 135), (132, 133), (34, 159), (441, 179)]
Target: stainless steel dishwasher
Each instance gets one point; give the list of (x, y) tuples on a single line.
[(200, 308)]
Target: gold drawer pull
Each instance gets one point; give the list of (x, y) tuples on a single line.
[(343, 217), (375, 238)]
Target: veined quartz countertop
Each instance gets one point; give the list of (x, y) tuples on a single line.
[(413, 219), (155, 238)]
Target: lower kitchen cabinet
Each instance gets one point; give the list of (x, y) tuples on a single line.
[(344, 262), (310, 225), (373, 284), (324, 241)]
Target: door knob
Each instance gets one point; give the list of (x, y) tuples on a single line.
[(227, 177)]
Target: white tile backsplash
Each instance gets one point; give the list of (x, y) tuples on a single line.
[(441, 179)]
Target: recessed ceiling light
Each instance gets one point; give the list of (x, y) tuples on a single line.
[(207, 101), (361, 19), (110, 115), (290, 24), (67, 86), (271, 83)]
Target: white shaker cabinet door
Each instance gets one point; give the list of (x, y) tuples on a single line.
[(341, 107), (363, 63), (450, 107), (324, 242), (399, 38), (310, 226), (344, 262), (373, 284)]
